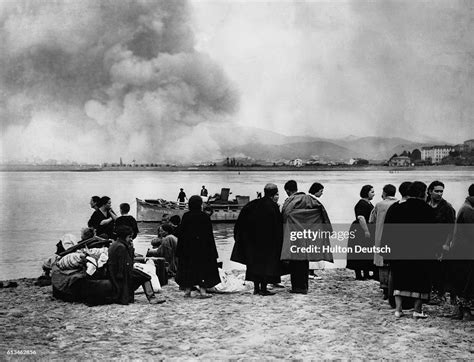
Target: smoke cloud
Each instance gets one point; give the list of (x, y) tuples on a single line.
[(97, 80), (392, 68)]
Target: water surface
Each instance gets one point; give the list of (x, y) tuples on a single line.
[(37, 208)]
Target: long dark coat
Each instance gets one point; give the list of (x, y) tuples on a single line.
[(461, 272), (409, 233), (120, 266), (446, 216), (258, 235), (196, 251)]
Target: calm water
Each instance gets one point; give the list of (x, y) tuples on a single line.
[(37, 208)]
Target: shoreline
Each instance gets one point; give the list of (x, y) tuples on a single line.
[(390, 169), (339, 318)]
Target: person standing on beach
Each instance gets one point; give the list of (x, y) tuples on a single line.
[(363, 235), (412, 243), (103, 219), (403, 190), (258, 235), (126, 219), (316, 191), (299, 268), (301, 213), (377, 216), (445, 216), (124, 278), (196, 251), (461, 271), (181, 196)]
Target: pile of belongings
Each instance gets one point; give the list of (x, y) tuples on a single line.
[(79, 273), (78, 270), (229, 283)]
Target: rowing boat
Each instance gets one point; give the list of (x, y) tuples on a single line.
[(219, 207)]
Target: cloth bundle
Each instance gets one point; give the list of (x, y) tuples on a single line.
[(96, 258), (229, 283), (150, 269), (72, 261)]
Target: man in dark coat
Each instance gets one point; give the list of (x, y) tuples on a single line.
[(258, 235), (196, 250), (408, 232), (124, 278)]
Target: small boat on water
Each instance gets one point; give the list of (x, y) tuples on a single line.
[(220, 208)]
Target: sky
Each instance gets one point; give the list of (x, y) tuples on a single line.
[(89, 80), (333, 68)]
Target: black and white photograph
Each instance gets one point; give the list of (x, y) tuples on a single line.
[(236, 179)]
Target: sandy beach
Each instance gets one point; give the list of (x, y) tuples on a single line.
[(339, 318)]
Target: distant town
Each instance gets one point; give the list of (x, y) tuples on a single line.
[(457, 155)]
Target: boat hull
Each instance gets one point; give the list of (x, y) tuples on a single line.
[(152, 211)]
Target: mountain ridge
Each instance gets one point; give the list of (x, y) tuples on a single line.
[(256, 143)]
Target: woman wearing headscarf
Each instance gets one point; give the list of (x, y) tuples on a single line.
[(363, 233), (196, 250)]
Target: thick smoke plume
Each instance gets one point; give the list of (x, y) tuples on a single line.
[(97, 80)]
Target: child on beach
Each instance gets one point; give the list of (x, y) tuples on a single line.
[(127, 220), (124, 277)]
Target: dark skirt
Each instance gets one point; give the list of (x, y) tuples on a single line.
[(360, 261), (192, 271), (461, 278), (412, 278)]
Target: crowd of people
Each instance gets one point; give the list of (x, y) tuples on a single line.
[(431, 250)]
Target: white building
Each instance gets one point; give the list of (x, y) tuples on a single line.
[(436, 153)]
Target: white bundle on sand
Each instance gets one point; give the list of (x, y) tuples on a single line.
[(229, 283), (150, 269)]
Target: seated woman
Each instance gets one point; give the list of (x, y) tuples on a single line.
[(124, 278), (196, 250), (165, 247)]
